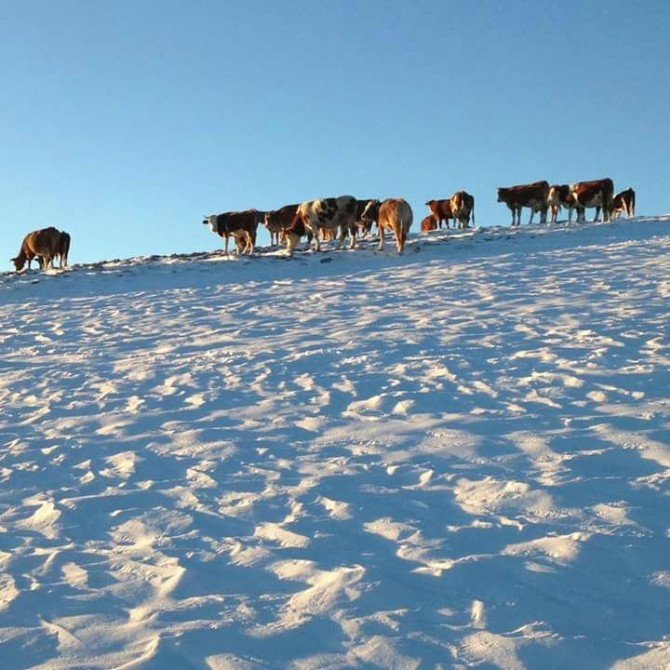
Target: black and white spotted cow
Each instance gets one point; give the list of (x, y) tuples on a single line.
[(321, 214)]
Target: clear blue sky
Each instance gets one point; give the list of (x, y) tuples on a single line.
[(124, 122)]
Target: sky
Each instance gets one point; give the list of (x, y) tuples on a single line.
[(125, 122)]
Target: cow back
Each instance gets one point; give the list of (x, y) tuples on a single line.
[(44, 242), (441, 209), (395, 212), (281, 218)]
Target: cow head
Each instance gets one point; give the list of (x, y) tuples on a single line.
[(371, 211), (501, 194), (19, 262), (210, 220)]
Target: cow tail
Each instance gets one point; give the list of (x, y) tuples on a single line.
[(473, 212)]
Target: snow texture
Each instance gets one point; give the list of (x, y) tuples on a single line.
[(456, 458)]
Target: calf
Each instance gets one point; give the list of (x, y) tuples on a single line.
[(393, 214), (624, 202), (42, 244), (242, 226), (323, 213), (441, 210), (526, 195), (428, 223), (462, 206), (598, 193)]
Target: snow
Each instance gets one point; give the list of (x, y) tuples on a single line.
[(454, 458)]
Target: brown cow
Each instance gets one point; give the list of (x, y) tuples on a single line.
[(278, 220), (393, 214), (41, 244), (441, 210), (527, 195), (241, 226), (624, 202), (63, 249), (462, 206), (428, 223), (598, 193)]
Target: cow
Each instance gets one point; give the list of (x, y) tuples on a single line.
[(441, 210), (393, 214), (328, 213), (428, 223), (364, 227), (560, 196), (527, 195), (598, 193), (462, 206), (63, 249), (279, 219), (42, 244), (624, 202), (241, 226)]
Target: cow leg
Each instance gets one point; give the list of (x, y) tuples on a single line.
[(530, 221), (543, 215), (396, 234), (381, 238), (291, 242), (341, 232), (315, 237), (352, 234), (597, 216)]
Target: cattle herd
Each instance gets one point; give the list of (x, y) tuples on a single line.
[(346, 217)]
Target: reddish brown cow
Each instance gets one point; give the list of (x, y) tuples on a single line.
[(462, 206), (428, 223), (598, 193), (241, 226), (527, 195), (624, 202), (441, 210), (278, 220), (63, 249), (42, 244)]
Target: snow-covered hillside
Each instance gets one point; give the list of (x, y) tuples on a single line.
[(457, 458)]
